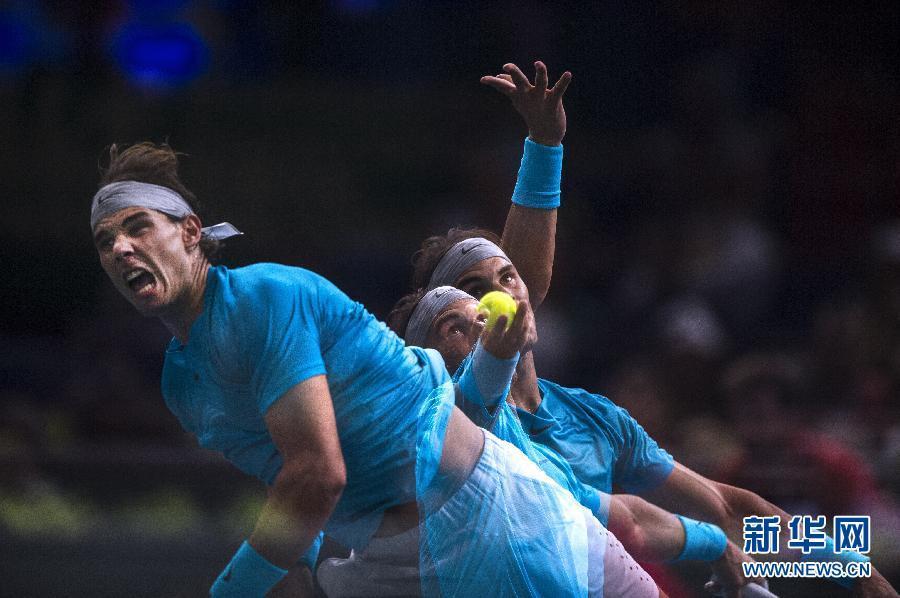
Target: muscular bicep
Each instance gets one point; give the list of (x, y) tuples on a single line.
[(303, 426), (529, 239)]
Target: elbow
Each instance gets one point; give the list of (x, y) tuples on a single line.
[(337, 481), (624, 525), (312, 487), (332, 479)]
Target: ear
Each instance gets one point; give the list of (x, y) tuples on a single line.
[(190, 231)]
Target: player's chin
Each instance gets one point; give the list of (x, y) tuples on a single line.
[(147, 305)]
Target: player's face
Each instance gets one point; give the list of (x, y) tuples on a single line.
[(492, 274), (145, 255), (455, 330)]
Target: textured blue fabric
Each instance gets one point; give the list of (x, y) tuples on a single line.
[(311, 556), (702, 541), (500, 419), (556, 467), (265, 328), (488, 379), (247, 575), (540, 172), (508, 530), (604, 445)]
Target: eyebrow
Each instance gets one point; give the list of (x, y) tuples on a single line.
[(472, 278), (134, 217), (103, 233), (475, 278)]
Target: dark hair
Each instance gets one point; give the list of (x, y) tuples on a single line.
[(148, 162), (398, 318), (426, 259)]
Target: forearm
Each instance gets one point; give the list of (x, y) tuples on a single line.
[(287, 527), (486, 380), (691, 494), (647, 532), (529, 235), (529, 239), (299, 503)]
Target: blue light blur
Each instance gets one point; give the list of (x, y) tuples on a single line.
[(160, 56), (17, 41)]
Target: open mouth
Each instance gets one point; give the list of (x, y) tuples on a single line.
[(139, 280)]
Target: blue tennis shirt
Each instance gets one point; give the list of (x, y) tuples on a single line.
[(265, 328), (604, 445)]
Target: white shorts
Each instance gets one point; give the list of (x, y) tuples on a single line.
[(509, 529)]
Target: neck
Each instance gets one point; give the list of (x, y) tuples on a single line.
[(524, 391), (187, 310)]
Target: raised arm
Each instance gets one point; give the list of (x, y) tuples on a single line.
[(529, 236), (303, 496)]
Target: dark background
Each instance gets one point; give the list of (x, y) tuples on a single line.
[(728, 262)]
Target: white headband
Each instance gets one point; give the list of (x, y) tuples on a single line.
[(429, 307), (133, 194), (461, 257)]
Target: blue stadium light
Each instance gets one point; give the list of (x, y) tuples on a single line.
[(17, 41), (160, 55)]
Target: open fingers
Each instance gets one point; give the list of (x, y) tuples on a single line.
[(540, 75), (560, 88), (518, 77)]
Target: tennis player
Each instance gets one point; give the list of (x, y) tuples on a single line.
[(647, 532), (302, 388), (602, 443)]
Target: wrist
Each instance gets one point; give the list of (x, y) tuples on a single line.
[(487, 379), (549, 141), (702, 541), (247, 574), (540, 175)]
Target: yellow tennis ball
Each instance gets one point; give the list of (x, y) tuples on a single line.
[(496, 304)]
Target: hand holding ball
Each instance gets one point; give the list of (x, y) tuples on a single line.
[(496, 304)]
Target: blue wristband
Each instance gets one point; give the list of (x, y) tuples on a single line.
[(827, 554), (539, 176), (248, 574), (487, 379), (311, 556), (702, 541)]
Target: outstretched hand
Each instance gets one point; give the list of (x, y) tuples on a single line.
[(541, 108)]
